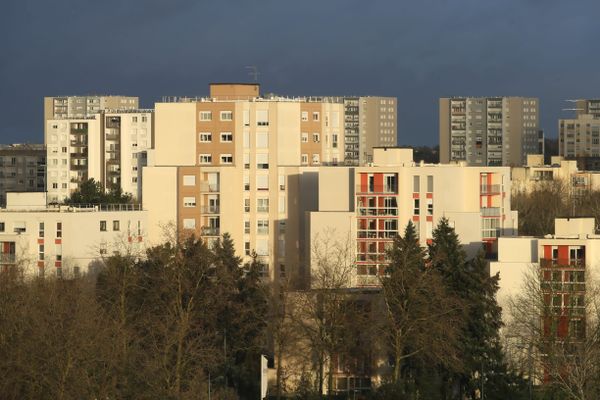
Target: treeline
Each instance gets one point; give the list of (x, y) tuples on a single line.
[(182, 317), (548, 200), (151, 328)]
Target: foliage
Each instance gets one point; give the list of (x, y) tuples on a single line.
[(92, 192)]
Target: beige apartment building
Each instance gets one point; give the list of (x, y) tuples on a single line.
[(370, 206), (489, 131), (22, 169), (61, 107), (109, 146), (239, 163)]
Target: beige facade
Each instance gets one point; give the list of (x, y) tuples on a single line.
[(535, 174), (579, 137), (61, 107), (236, 161), (22, 169), (65, 241), (380, 200), (109, 147), (492, 131)]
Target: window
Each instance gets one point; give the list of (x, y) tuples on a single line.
[(262, 205), (429, 206), (1, 226), (226, 159), (282, 203), (262, 247), (54, 185), (262, 226), (205, 137), (205, 116), (262, 117), (315, 116), (262, 140), (304, 159), (246, 117), (316, 138), (429, 184), (102, 226), (189, 180), (247, 227), (390, 183), (246, 182), (304, 116), (116, 226), (189, 223), (133, 119), (41, 230), (304, 137), (416, 208), (226, 137), (262, 182), (246, 161), (416, 184), (246, 205), (247, 248), (262, 161), (205, 158), (59, 229), (41, 252), (189, 202), (315, 159), (226, 115), (281, 182), (281, 227), (334, 141)]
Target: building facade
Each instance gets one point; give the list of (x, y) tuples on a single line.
[(22, 169), (489, 131), (370, 206), (109, 146), (65, 241), (239, 163), (61, 107)]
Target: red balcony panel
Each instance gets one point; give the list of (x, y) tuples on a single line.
[(563, 253), (57, 241), (378, 180), (415, 195), (364, 182), (548, 252), (415, 218), (430, 195)]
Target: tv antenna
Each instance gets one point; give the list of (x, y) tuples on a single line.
[(253, 72)]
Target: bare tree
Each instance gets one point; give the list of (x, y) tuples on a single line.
[(554, 330)]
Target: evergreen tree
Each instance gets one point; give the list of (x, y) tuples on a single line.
[(484, 365)]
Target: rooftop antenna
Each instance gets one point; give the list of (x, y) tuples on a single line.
[(253, 72)]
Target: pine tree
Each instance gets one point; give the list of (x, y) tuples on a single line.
[(484, 365)]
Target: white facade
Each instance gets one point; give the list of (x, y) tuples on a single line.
[(65, 241)]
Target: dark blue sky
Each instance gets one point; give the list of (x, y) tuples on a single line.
[(417, 51)]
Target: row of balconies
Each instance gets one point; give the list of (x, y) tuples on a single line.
[(377, 211), (377, 189)]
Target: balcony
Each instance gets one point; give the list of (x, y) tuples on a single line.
[(8, 258), (209, 187), (209, 209), (491, 212), (491, 189), (376, 189), (562, 262), (209, 231)]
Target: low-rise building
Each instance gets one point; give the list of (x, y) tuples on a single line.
[(66, 240)]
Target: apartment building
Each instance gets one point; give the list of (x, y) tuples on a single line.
[(62, 107), (579, 138), (489, 131), (65, 241), (109, 146), (587, 107), (22, 169), (369, 121), (535, 174), (564, 261), (370, 206), (240, 163)]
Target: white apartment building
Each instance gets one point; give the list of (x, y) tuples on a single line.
[(64, 241), (109, 147), (370, 206)]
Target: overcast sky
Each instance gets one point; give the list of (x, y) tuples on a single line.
[(415, 50)]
